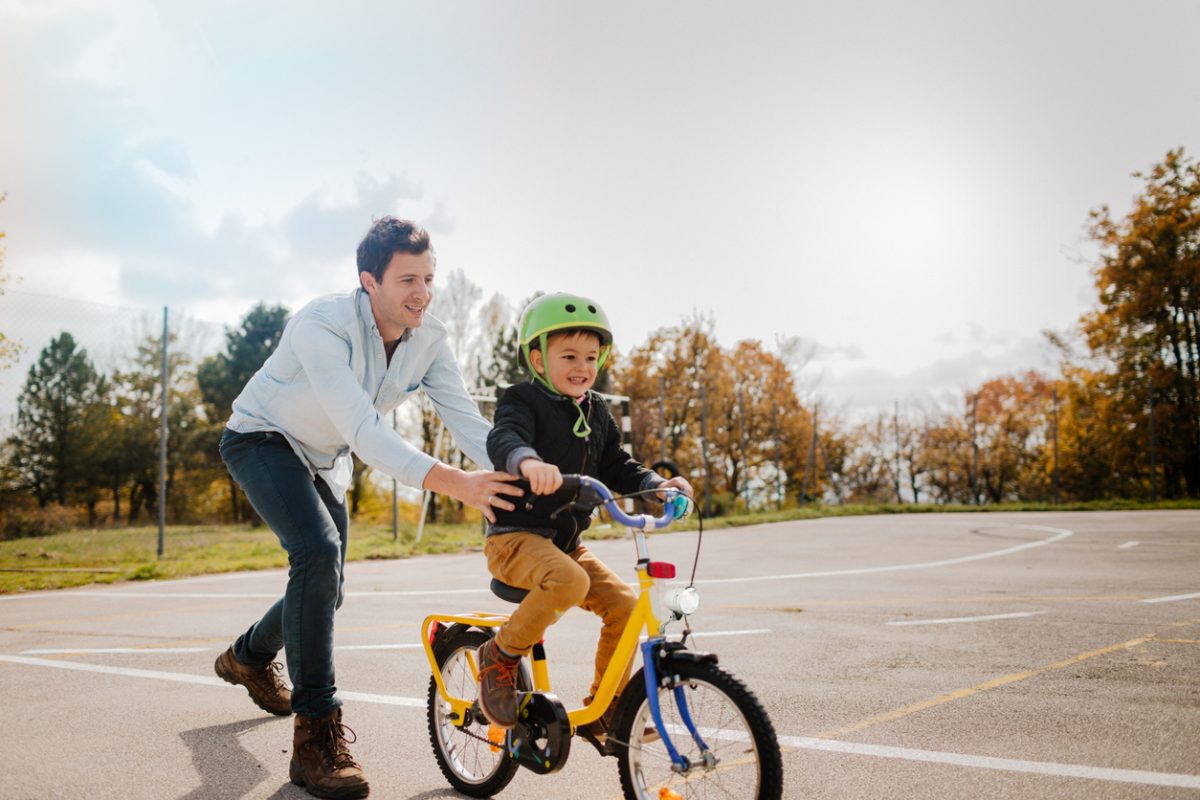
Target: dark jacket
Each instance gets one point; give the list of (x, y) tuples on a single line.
[(532, 421)]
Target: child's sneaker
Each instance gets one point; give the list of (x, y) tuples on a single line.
[(498, 685)]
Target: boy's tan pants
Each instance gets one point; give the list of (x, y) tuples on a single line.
[(556, 582)]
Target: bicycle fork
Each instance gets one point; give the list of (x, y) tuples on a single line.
[(650, 668)]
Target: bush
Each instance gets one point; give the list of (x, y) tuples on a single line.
[(27, 520)]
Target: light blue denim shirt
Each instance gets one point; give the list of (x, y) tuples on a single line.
[(328, 388)]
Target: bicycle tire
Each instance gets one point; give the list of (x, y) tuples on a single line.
[(471, 765), (731, 721)]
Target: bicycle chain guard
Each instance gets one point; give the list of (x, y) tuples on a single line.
[(541, 739)]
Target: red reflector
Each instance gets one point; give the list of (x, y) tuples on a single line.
[(661, 569)]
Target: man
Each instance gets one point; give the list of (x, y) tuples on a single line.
[(343, 362)]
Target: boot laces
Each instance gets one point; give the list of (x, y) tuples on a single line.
[(273, 673), (338, 737)]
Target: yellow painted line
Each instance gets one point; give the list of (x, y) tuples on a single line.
[(993, 684)]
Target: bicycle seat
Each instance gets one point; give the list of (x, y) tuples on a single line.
[(512, 594)]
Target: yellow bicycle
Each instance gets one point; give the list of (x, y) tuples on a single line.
[(684, 727)]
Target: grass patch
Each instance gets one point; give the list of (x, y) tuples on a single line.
[(81, 557)]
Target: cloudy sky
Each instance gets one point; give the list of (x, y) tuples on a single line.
[(905, 185)]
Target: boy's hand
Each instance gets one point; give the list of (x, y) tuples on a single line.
[(679, 483), (543, 478)]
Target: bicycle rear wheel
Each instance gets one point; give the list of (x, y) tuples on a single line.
[(471, 756), (743, 757)]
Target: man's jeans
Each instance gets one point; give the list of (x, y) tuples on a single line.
[(312, 527)]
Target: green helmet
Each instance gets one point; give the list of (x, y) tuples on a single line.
[(562, 312), (559, 312)]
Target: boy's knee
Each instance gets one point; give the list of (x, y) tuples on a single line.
[(570, 588)]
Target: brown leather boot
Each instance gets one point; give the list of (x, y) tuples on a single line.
[(263, 684), (498, 685), (321, 762)]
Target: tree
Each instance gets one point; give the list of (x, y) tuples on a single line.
[(60, 414), (8, 348), (222, 377), (138, 401), (1147, 326)]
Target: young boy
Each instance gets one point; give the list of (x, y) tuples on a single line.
[(543, 428)]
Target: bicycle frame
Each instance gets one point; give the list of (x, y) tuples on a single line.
[(644, 617)]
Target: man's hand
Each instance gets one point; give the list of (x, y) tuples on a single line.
[(481, 490), (543, 478)]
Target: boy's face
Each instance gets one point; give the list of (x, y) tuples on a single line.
[(570, 362)]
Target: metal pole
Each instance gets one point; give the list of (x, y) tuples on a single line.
[(974, 452), (778, 473), (745, 492), (811, 461), (162, 444), (1153, 453), (395, 492), (896, 429), (662, 424), (1057, 496), (704, 448)]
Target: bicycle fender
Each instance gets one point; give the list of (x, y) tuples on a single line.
[(670, 652)]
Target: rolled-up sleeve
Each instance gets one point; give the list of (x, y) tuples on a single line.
[(324, 355)]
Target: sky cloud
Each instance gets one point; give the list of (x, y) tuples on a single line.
[(908, 196)]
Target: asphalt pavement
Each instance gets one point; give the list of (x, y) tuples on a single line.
[(1030, 655)]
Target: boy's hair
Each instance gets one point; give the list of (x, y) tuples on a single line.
[(537, 345), (388, 236)]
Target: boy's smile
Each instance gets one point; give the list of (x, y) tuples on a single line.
[(571, 362)]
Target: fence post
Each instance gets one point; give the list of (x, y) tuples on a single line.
[(162, 443)]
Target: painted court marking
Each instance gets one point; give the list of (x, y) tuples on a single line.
[(801, 742), (951, 620), (1172, 598), (1059, 535)]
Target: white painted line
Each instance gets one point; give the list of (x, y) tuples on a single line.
[(1128, 545), (706, 634), (384, 699), (379, 646), (203, 680), (827, 745), (151, 674), (1060, 534), (227, 595), (1006, 764), (951, 620), (1171, 598), (122, 650)]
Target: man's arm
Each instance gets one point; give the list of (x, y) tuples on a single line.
[(325, 357), (444, 385)]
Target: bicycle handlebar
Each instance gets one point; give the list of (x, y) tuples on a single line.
[(580, 483)]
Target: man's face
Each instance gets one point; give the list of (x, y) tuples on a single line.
[(570, 363), (402, 296)]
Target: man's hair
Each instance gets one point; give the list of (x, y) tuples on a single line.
[(388, 236)]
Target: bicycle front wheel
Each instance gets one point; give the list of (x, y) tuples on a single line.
[(742, 758), (470, 755)]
